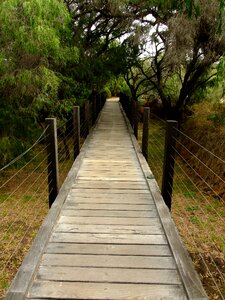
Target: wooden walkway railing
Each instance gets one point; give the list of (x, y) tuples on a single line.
[(108, 234)]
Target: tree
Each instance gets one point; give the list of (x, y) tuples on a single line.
[(35, 46), (183, 49), (138, 84)]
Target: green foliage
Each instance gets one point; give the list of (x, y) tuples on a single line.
[(116, 85), (218, 114), (52, 57), (35, 48), (172, 87), (218, 118), (34, 27), (11, 147)]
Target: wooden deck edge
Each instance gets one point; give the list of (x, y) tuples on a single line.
[(189, 276), (24, 276)]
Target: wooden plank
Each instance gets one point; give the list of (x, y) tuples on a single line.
[(115, 261), (110, 229), (113, 275), (102, 160), (103, 291), (109, 166), (127, 185), (98, 194), (113, 191), (111, 200), (121, 165), (101, 206), (67, 211), (108, 156), (109, 173), (109, 220), (67, 237), (133, 178), (109, 249)]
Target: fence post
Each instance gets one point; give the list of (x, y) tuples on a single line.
[(94, 109), (76, 128), (145, 132), (136, 119), (87, 117), (53, 165), (169, 160), (132, 113)]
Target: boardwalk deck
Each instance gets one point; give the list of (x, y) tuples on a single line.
[(109, 234)]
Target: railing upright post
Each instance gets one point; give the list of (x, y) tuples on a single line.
[(94, 108), (87, 117), (132, 112), (169, 161), (53, 165), (145, 132), (76, 128), (136, 119)]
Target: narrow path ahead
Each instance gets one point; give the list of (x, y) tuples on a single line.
[(108, 241)]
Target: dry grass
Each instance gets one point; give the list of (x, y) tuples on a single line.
[(23, 206), (21, 214)]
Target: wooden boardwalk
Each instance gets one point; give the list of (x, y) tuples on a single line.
[(108, 234)]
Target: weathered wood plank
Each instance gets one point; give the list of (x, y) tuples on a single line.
[(70, 211), (113, 200), (108, 249), (108, 220), (109, 229), (111, 206), (112, 275), (67, 237), (115, 261), (84, 184), (103, 291), (133, 178), (117, 160), (113, 191), (110, 173), (98, 194)]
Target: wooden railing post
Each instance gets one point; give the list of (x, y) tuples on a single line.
[(136, 119), (145, 133), (53, 165), (87, 117), (98, 104), (169, 160), (94, 109), (76, 128)]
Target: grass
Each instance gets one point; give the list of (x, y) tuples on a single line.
[(23, 206), (21, 214), (198, 214)]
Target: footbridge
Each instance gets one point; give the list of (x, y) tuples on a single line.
[(108, 234)]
